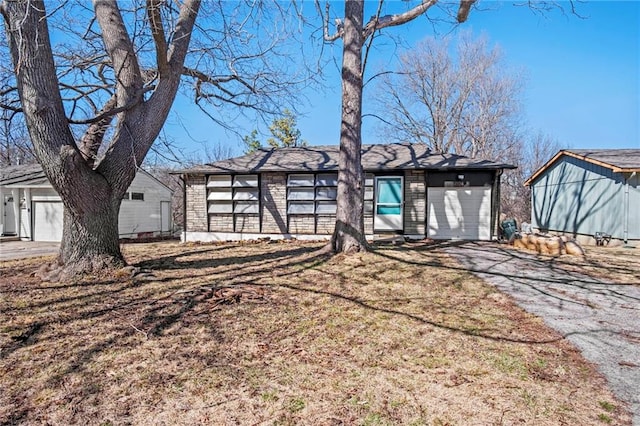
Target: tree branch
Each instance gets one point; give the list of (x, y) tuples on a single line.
[(157, 31), (463, 11), (120, 49), (10, 107), (325, 24), (93, 136), (376, 23)]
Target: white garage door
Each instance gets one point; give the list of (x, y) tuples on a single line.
[(459, 213), (47, 218)]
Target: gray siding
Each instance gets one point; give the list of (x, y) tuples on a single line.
[(578, 197), (634, 207)]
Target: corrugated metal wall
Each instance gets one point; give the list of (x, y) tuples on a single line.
[(634, 207), (578, 197)]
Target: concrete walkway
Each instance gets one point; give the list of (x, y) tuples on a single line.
[(602, 320), (10, 250)]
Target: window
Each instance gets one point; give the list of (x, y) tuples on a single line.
[(235, 196), (312, 194), (368, 194), (138, 196), (309, 198)]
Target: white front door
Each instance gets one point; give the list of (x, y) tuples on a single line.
[(389, 204), (9, 220)]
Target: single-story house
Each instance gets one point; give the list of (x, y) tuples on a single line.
[(291, 193), (32, 210), (582, 192)]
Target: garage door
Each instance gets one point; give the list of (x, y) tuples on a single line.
[(459, 213), (47, 218)]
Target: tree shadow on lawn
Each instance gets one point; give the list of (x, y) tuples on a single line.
[(548, 280), (127, 312), (471, 257)]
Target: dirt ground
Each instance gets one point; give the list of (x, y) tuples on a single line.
[(276, 333)]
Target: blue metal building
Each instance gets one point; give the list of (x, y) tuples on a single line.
[(584, 192)]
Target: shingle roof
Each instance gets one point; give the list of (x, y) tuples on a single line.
[(32, 175), (24, 173), (618, 160), (400, 156)]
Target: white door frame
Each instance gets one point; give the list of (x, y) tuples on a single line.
[(388, 221)]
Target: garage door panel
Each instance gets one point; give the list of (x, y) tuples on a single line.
[(48, 221), (459, 213)]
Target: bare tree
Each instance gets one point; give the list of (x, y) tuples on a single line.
[(95, 103), (15, 145), (467, 103), (515, 198), (357, 40), (348, 235)]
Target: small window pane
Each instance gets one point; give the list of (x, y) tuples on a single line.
[(368, 193), (219, 194), (326, 207), (300, 194), (219, 181), (368, 207), (368, 179), (327, 179), (300, 207), (245, 194), (246, 207), (301, 180), (137, 196), (326, 193), (386, 210), (221, 207), (245, 181)]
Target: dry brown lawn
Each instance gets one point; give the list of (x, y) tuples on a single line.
[(276, 333)]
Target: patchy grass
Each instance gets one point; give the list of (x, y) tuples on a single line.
[(278, 334), (613, 264)]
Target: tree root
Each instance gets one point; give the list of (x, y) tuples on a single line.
[(58, 271)]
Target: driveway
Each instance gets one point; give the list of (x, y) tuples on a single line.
[(10, 250), (602, 320)]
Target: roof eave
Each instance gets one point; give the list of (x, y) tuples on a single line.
[(569, 153)]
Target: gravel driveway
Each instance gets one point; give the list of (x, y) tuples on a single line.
[(602, 320)]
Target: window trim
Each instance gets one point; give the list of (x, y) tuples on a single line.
[(238, 195)]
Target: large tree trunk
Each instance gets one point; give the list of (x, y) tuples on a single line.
[(348, 235), (90, 242), (92, 192)]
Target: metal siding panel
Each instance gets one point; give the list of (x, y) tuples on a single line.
[(634, 207), (578, 197)]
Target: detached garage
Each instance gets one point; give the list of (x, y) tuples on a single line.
[(32, 210), (587, 194)]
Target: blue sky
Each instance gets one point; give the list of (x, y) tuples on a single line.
[(582, 86)]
